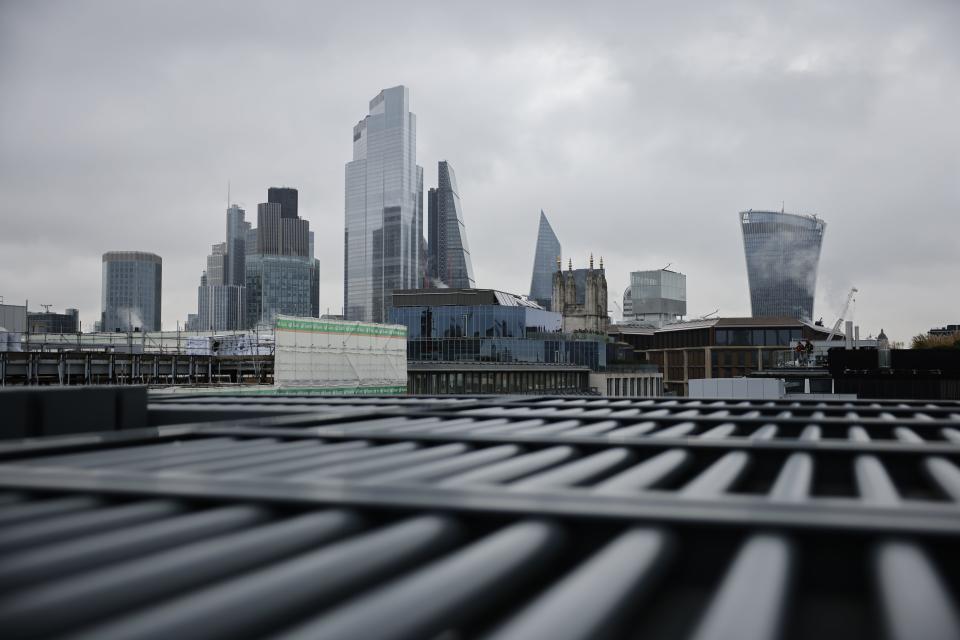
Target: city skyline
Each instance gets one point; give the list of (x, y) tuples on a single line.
[(641, 147)]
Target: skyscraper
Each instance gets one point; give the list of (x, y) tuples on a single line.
[(782, 251), (286, 198), (383, 211), (130, 291), (282, 276), (221, 306), (544, 263), (280, 231), (448, 251), (221, 296), (237, 229)]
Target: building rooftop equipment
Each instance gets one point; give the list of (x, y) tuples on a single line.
[(494, 517), (459, 297)]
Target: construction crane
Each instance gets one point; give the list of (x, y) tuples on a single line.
[(619, 308), (846, 307)]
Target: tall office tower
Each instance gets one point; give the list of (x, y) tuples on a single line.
[(286, 198), (282, 276), (130, 291), (782, 251), (279, 233), (221, 306), (544, 263), (448, 252), (383, 212), (237, 228)]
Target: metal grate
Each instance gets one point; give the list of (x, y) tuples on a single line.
[(490, 517)]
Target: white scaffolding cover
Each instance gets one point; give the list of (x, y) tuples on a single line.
[(339, 356)]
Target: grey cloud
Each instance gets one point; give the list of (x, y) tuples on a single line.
[(641, 129)]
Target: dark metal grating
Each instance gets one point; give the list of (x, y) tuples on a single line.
[(489, 518)]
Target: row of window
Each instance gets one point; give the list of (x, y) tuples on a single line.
[(585, 353), (758, 337), (457, 382), (628, 387)]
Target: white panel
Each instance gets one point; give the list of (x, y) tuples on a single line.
[(340, 356)]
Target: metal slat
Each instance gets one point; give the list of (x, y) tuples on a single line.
[(601, 468), (586, 603), (16, 513), (511, 469), (256, 448), (676, 431), (447, 466), (307, 449), (915, 600), (130, 453), (648, 473), (257, 602), (182, 458), (85, 522), (751, 600), (385, 463), (795, 479), (577, 471), (719, 477), (945, 474), (440, 595), (87, 597), (873, 482), (59, 559), (311, 461)]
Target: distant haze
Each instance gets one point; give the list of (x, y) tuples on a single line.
[(641, 129)]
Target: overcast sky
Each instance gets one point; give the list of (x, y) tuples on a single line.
[(641, 128)]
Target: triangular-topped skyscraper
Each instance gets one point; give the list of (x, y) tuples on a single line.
[(544, 263), (448, 252)]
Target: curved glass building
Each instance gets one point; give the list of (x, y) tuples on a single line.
[(782, 251), (130, 293)]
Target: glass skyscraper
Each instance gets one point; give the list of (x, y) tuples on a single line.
[(278, 284), (448, 252), (782, 251), (383, 210), (282, 276), (544, 263), (130, 292)]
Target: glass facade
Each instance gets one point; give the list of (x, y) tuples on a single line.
[(780, 337), (130, 291), (544, 263), (221, 307), (237, 230), (497, 380), (782, 252), (449, 253), (658, 292), (493, 333), (280, 285), (383, 209)]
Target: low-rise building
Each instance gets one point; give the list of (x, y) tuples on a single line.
[(715, 347), (50, 322), (487, 341)]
